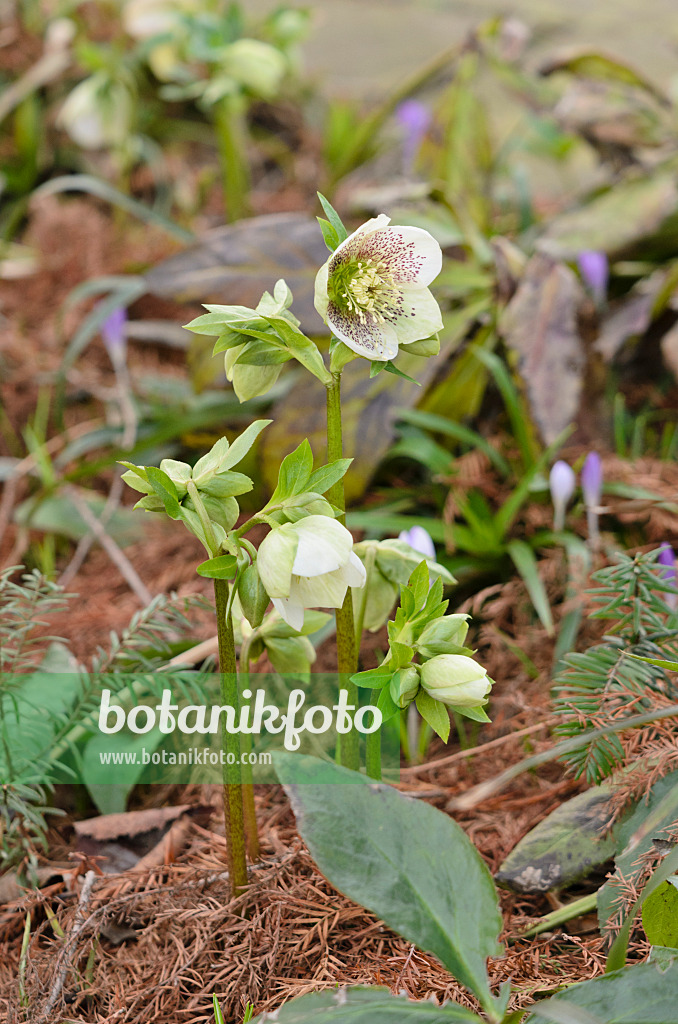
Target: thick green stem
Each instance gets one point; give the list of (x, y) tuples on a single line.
[(233, 804), (373, 739), (347, 663), (229, 121), (249, 806)]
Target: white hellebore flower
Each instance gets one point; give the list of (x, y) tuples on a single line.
[(308, 564), (457, 680), (372, 292)]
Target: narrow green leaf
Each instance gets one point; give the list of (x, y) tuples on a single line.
[(392, 368), (334, 218), (660, 915), (218, 1015), (330, 236), (326, 476), (373, 678), (294, 474), (242, 444), (525, 562)]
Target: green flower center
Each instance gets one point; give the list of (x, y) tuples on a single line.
[(361, 288)]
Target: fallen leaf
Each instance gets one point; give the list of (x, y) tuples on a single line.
[(540, 325)]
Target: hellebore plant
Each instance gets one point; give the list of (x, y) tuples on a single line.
[(373, 292)]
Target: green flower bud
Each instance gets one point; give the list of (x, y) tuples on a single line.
[(456, 680), (253, 597), (441, 635), (405, 686)]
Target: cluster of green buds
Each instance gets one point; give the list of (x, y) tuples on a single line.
[(305, 561), (427, 661)]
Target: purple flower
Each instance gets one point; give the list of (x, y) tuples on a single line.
[(667, 560), (415, 119), (420, 540), (561, 483), (592, 480), (595, 271), (113, 333)]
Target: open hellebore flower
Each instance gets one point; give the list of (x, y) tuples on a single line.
[(456, 680), (373, 291), (308, 564)]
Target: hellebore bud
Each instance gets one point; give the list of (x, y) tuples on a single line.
[(253, 597), (405, 686), (456, 680), (440, 634)]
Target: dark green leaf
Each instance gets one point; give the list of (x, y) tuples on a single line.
[(334, 218), (434, 714), (636, 995), (366, 1006), (660, 915), (165, 490), (436, 892)]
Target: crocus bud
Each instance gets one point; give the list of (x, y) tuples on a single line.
[(253, 597), (592, 486), (592, 479), (405, 686), (594, 269), (667, 560), (562, 483), (456, 680), (113, 332), (420, 540), (442, 634), (414, 118)]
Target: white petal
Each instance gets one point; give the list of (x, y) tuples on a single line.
[(368, 228), (324, 545), (367, 338), (412, 255), (354, 571), (419, 316), (290, 611), (320, 298), (275, 560), (327, 591)]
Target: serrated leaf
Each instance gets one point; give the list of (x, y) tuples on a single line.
[(434, 714), (436, 892), (294, 474)]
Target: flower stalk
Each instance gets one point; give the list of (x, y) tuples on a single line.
[(233, 796), (347, 662)]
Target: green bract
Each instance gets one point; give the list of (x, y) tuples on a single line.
[(257, 342), (202, 496)]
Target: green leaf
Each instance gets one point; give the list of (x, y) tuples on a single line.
[(242, 444), (636, 995), (670, 666), (333, 218), (388, 707), (223, 567), (366, 1006), (437, 892), (434, 714), (292, 655), (373, 678), (660, 915), (294, 474), (165, 490), (110, 785), (419, 584), (330, 236), (392, 368), (326, 476), (302, 348), (523, 558), (218, 1013)]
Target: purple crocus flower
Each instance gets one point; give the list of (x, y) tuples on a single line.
[(415, 119), (420, 540), (667, 560), (114, 335), (561, 483), (595, 271), (592, 487)]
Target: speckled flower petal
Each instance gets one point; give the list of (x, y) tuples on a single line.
[(412, 255), (367, 337)]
